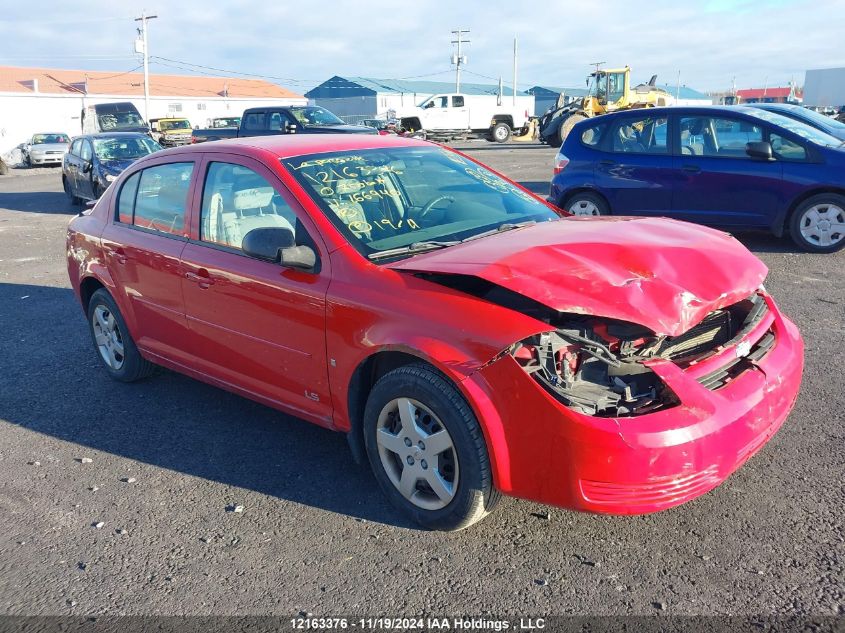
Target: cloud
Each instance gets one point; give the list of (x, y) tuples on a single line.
[(708, 42)]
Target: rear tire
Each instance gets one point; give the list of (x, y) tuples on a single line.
[(112, 342), (500, 133), (568, 124), (586, 204), (447, 485), (818, 224)]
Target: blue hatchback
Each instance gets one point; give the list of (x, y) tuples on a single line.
[(732, 167)]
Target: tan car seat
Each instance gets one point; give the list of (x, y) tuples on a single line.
[(250, 209)]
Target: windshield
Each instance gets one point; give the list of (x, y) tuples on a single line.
[(124, 148), (229, 122), (797, 127), (178, 124), (43, 139), (120, 120), (383, 199), (314, 115)]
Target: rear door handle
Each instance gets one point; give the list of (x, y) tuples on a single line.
[(201, 277), (607, 162), (693, 169)]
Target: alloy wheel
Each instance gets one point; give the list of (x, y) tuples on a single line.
[(823, 225), (107, 337), (417, 453)]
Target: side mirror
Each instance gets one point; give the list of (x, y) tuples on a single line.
[(759, 150), (277, 244), (289, 128), (88, 167)]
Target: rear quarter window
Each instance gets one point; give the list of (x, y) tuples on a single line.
[(591, 137)]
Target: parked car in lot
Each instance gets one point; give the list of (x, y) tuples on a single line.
[(96, 160), (467, 339), (734, 167), (274, 120), (170, 131), (44, 149), (812, 118)]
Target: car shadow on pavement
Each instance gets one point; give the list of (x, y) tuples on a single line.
[(38, 202), (54, 385)]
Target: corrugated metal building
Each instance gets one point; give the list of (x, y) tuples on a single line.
[(36, 100), (825, 87), (546, 97), (364, 97)]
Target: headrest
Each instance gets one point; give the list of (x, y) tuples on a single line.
[(254, 198)]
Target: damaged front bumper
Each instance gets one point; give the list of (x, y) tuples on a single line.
[(730, 405)]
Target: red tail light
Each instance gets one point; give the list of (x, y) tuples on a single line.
[(561, 162)]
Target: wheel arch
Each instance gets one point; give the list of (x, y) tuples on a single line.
[(503, 118), (364, 377), (571, 193), (781, 223), (472, 388)]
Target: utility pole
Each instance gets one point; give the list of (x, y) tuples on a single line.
[(514, 67), (459, 59), (145, 49)]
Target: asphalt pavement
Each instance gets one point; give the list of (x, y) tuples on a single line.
[(120, 499)]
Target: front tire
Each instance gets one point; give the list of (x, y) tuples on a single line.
[(112, 341), (500, 133), (427, 450), (818, 225), (586, 204)]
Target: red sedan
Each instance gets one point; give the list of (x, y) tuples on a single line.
[(467, 339)]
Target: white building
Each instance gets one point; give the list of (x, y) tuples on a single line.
[(825, 87), (36, 100)]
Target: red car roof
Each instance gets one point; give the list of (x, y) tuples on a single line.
[(288, 145)]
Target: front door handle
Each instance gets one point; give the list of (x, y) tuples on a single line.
[(119, 255), (201, 277), (693, 169), (607, 162)]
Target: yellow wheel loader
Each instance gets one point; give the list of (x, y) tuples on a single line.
[(609, 91)]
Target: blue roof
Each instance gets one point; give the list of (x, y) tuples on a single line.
[(338, 87), (685, 92), (554, 91)]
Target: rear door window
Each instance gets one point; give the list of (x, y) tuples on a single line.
[(641, 135), (126, 199), (162, 198), (255, 121)]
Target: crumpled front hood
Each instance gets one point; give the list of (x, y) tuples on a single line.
[(663, 274)]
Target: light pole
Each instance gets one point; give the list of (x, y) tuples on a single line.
[(143, 33)]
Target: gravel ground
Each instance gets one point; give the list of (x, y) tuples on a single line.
[(113, 498)]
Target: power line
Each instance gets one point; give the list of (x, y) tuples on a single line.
[(115, 75), (232, 72)]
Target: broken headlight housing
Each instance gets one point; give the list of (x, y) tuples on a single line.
[(594, 372)]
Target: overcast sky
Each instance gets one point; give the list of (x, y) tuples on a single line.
[(308, 41)]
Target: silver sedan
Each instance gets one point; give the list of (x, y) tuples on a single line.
[(45, 149)]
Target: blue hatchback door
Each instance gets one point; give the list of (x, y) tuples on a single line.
[(716, 181), (635, 169)]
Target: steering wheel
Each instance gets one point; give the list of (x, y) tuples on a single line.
[(428, 206)]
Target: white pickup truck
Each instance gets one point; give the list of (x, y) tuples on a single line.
[(456, 115)]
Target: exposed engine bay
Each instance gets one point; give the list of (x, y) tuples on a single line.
[(595, 365)]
